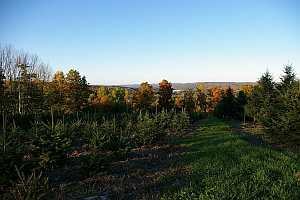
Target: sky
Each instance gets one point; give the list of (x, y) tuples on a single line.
[(130, 41)]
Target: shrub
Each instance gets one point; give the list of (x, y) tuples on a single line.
[(32, 187), (147, 130), (132, 130), (51, 144), (180, 121), (15, 151)]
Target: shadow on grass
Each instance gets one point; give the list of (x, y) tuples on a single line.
[(227, 165), (214, 162)]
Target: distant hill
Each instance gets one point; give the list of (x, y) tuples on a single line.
[(209, 85), (186, 86)]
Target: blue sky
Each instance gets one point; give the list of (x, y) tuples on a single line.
[(130, 41)]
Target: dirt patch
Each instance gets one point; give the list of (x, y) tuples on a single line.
[(298, 176), (141, 174), (138, 177)]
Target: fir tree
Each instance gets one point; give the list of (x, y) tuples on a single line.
[(288, 79), (227, 107)]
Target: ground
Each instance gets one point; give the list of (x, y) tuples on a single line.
[(215, 160)]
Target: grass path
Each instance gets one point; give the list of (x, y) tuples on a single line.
[(214, 161), (224, 165)]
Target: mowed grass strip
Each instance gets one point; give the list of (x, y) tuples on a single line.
[(225, 166)]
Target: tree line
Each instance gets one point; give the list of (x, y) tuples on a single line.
[(276, 105), (273, 105), (29, 88)]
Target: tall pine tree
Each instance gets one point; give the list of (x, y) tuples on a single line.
[(260, 104)]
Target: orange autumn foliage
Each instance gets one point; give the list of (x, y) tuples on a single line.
[(214, 96)]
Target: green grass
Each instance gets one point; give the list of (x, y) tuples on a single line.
[(225, 166)]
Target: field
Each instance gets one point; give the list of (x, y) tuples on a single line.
[(149, 100), (214, 159), (61, 140), (226, 164)]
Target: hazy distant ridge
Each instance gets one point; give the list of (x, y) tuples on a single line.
[(185, 86)]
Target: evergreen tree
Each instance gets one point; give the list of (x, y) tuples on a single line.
[(227, 107), (241, 102), (261, 102), (286, 116), (286, 119), (288, 79), (277, 107), (267, 84)]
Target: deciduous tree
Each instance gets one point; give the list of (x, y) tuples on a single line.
[(189, 103), (144, 97), (213, 98), (200, 98), (165, 94)]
